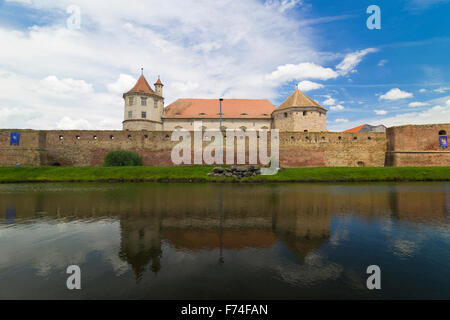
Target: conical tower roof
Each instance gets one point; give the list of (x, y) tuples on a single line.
[(141, 86), (299, 99)]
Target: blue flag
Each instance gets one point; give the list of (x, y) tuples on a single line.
[(443, 142), (15, 138)]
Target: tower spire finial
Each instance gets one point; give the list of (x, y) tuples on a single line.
[(297, 86), (142, 71)]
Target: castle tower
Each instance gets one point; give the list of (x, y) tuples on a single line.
[(300, 113), (159, 87), (143, 107)]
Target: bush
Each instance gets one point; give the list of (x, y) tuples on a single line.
[(120, 158)]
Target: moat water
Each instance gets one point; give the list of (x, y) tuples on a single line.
[(213, 241)]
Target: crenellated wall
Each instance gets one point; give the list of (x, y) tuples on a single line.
[(399, 146)]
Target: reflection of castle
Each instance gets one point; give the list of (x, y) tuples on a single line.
[(140, 244), (302, 229), (187, 218)]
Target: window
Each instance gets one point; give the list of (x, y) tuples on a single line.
[(144, 114), (130, 114), (131, 101), (94, 137), (442, 133), (155, 102), (143, 101), (285, 114), (304, 113)]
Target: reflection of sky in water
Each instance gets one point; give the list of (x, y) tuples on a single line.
[(130, 246)]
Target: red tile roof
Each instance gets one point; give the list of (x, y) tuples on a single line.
[(141, 86), (209, 108), (299, 99), (356, 129), (158, 82)]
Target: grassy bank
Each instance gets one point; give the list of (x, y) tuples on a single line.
[(199, 174)]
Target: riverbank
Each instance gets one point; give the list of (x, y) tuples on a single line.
[(199, 174)]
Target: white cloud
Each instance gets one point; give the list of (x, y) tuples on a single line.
[(67, 123), (441, 89), (305, 70), (329, 102), (382, 62), (283, 5), (447, 103), (351, 60), (341, 120), (309, 85), (423, 90), (396, 94), (124, 83), (418, 104), (339, 107), (380, 112), (68, 86), (214, 50)]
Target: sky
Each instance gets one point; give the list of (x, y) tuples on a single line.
[(65, 64)]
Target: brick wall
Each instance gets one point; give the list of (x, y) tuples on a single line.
[(88, 148), (417, 145)]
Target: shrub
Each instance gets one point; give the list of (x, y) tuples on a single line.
[(119, 158)]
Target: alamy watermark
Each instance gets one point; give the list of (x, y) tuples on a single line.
[(191, 150), (374, 20), (74, 280), (74, 20), (374, 280)]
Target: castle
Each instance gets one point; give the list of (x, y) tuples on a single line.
[(303, 138), (144, 110)]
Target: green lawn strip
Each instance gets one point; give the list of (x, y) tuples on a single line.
[(199, 174)]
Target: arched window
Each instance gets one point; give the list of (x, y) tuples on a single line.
[(243, 128), (442, 133)]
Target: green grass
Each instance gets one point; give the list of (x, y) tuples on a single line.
[(199, 174)]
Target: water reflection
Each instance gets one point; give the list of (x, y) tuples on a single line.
[(317, 237)]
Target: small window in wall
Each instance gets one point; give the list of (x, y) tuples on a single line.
[(78, 137), (285, 114), (130, 114), (304, 113), (442, 133), (144, 114), (360, 164), (129, 136), (155, 103), (111, 137), (306, 131), (131, 101), (94, 137), (143, 101), (61, 137)]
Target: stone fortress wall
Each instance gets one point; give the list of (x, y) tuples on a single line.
[(399, 146)]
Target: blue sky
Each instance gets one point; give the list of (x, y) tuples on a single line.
[(54, 75)]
